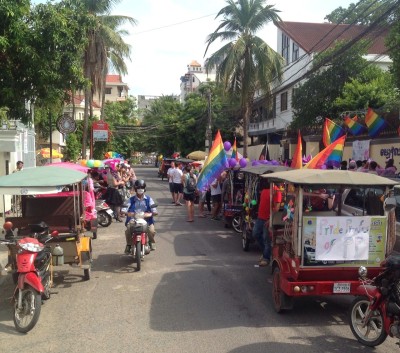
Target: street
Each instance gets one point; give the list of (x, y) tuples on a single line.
[(198, 292)]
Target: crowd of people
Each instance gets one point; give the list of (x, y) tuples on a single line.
[(370, 166)]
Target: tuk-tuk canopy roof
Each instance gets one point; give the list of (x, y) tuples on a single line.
[(262, 169), (179, 160), (329, 177), (39, 180)]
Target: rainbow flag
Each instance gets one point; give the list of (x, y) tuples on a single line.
[(354, 127), (331, 132), (374, 122), (234, 151), (322, 157), (214, 165), (297, 160)]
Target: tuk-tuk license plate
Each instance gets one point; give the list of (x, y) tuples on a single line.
[(341, 288)]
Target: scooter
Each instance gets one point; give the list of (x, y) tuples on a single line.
[(140, 241), (34, 274), (375, 314), (104, 213)]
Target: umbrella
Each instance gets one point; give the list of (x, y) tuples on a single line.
[(111, 154), (69, 165), (197, 155), (45, 153)]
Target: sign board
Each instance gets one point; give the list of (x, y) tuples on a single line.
[(342, 241), (66, 124), (100, 131)]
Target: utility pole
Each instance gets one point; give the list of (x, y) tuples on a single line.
[(208, 128)]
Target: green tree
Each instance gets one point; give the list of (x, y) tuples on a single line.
[(364, 12), (40, 54), (393, 43), (103, 40), (246, 64), (372, 88)]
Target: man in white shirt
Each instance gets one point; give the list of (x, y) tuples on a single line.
[(177, 181), (171, 182)]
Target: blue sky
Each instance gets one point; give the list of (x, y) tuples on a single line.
[(172, 33)]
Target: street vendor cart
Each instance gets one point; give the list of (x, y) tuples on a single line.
[(316, 250), (50, 199)]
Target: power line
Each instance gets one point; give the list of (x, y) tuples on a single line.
[(174, 24)]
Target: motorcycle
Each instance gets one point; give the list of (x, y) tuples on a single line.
[(104, 213), (140, 242), (375, 314), (31, 267)]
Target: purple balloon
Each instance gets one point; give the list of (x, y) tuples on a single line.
[(243, 162), (254, 163), (274, 162), (227, 146), (232, 162)]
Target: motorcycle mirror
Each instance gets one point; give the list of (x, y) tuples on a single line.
[(54, 233)]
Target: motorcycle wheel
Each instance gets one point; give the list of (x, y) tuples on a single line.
[(104, 219), (27, 317), (138, 255), (281, 300), (373, 333), (237, 223)]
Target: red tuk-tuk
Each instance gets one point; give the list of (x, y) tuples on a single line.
[(315, 249)]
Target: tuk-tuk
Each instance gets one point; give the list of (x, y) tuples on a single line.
[(50, 197), (252, 190), (316, 250), (233, 199), (166, 164)]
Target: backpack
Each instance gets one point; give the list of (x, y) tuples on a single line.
[(191, 184)]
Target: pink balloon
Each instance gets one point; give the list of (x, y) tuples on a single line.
[(243, 162), (227, 146)]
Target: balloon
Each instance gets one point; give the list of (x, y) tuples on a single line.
[(274, 162), (253, 202), (90, 163), (227, 145), (97, 163), (8, 225), (243, 162), (83, 162), (232, 162)]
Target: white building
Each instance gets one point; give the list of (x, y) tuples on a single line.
[(193, 78), (298, 43)]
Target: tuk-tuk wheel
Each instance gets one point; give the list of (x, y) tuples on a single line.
[(281, 300), (86, 274)]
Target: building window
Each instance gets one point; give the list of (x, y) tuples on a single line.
[(295, 52), (284, 101), (285, 47), (108, 90)]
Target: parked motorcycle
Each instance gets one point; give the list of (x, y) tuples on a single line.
[(140, 241), (32, 267), (104, 213), (375, 314)]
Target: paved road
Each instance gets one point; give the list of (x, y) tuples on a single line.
[(198, 292)]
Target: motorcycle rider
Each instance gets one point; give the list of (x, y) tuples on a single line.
[(141, 203)]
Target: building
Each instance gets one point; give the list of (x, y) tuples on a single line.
[(298, 43), (145, 102), (193, 78), (116, 90)]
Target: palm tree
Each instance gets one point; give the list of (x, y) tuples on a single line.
[(104, 42), (246, 64)]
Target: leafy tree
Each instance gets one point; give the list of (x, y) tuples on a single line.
[(73, 147), (313, 101), (372, 88), (103, 38), (364, 12), (393, 43), (246, 64)]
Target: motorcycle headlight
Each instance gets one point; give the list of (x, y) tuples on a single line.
[(32, 247), (362, 271)]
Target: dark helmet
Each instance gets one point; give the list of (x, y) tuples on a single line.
[(140, 184)]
